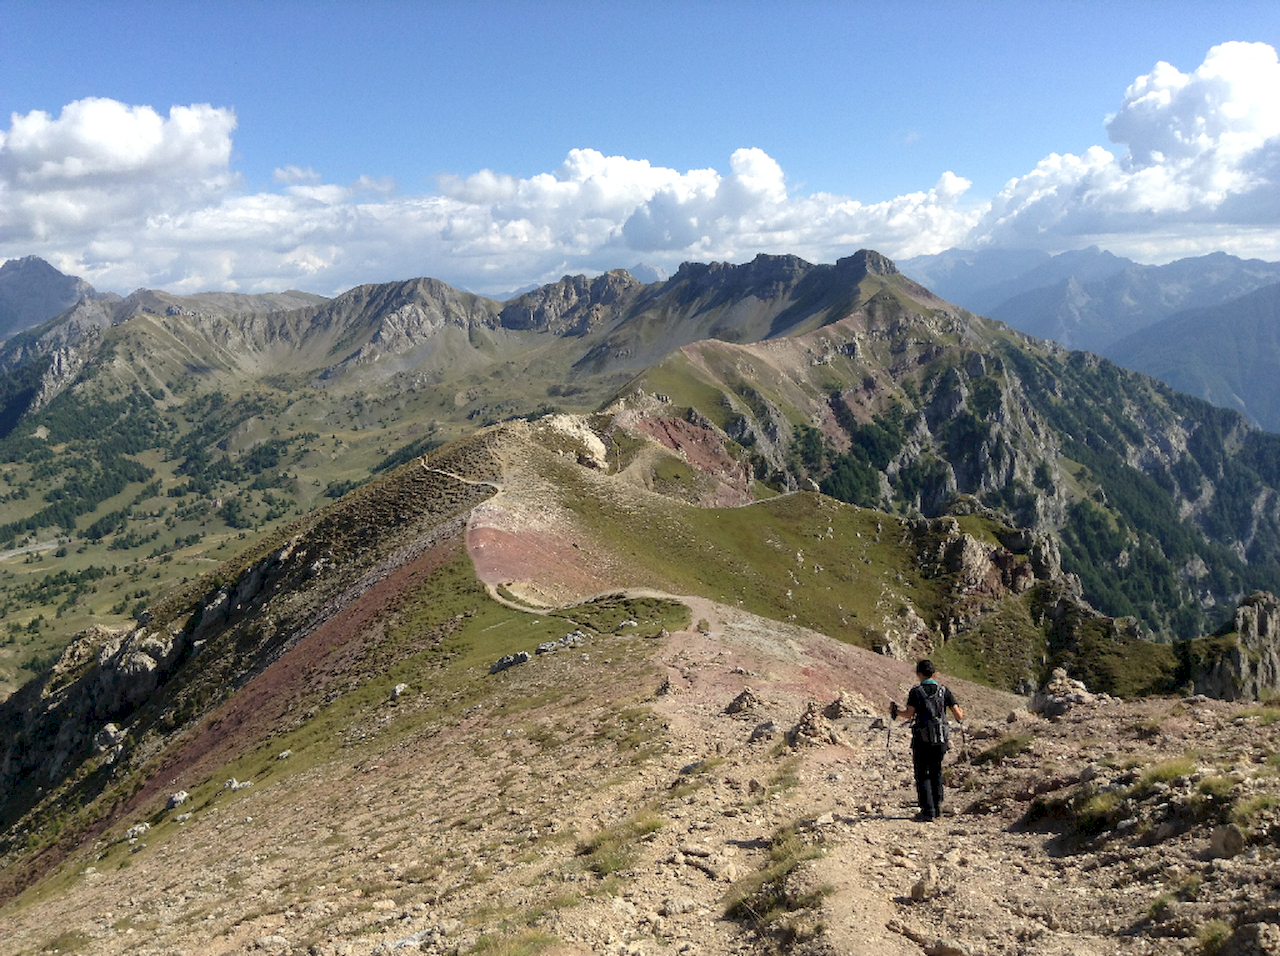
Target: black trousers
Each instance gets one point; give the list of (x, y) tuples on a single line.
[(927, 760)]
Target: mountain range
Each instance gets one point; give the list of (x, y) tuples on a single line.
[(1088, 299), (168, 426), (1172, 321), (1225, 354), (329, 622)]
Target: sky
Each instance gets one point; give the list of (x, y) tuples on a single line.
[(263, 146)]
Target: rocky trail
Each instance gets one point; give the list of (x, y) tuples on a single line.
[(724, 789)]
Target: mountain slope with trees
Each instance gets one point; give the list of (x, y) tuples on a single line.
[(602, 590), (1227, 354)]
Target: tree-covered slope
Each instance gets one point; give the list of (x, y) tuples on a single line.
[(1228, 354)]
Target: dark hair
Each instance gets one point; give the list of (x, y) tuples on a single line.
[(925, 668)]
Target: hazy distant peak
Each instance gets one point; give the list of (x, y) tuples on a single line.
[(649, 274), (32, 291)]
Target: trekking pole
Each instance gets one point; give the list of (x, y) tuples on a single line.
[(893, 717)]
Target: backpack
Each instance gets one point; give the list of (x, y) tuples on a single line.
[(930, 724)]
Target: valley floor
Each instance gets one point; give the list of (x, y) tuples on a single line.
[(630, 816)]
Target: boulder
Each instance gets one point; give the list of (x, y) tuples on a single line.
[(1226, 841), (766, 730), (510, 660), (1060, 695)]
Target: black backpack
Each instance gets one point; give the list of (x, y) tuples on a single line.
[(930, 724)]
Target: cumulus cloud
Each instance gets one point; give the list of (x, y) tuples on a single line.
[(126, 197), (102, 162), (167, 217), (1199, 170)]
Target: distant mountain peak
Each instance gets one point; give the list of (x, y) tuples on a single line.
[(32, 291), (649, 274), (870, 262)]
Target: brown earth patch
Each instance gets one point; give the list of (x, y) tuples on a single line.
[(703, 449), (540, 566)]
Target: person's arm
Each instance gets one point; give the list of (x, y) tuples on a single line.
[(954, 706), (906, 713)]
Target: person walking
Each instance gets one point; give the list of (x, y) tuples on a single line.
[(927, 706)]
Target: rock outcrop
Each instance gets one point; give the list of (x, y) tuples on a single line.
[(105, 676), (573, 306), (1242, 661), (1059, 695)]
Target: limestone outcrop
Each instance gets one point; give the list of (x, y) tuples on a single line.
[(1242, 661)]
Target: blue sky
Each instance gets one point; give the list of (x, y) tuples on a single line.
[(494, 145)]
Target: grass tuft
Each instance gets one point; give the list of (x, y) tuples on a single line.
[(1005, 749), (613, 850), (771, 901)]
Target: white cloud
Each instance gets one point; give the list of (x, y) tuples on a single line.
[(487, 230), (290, 175), (1200, 169), (102, 164), (126, 197)]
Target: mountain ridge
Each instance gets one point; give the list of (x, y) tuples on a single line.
[(360, 653)]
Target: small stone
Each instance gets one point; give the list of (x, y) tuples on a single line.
[(945, 947), (675, 905), (1226, 841), (927, 886)]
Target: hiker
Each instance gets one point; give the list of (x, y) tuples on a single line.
[(927, 706)]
